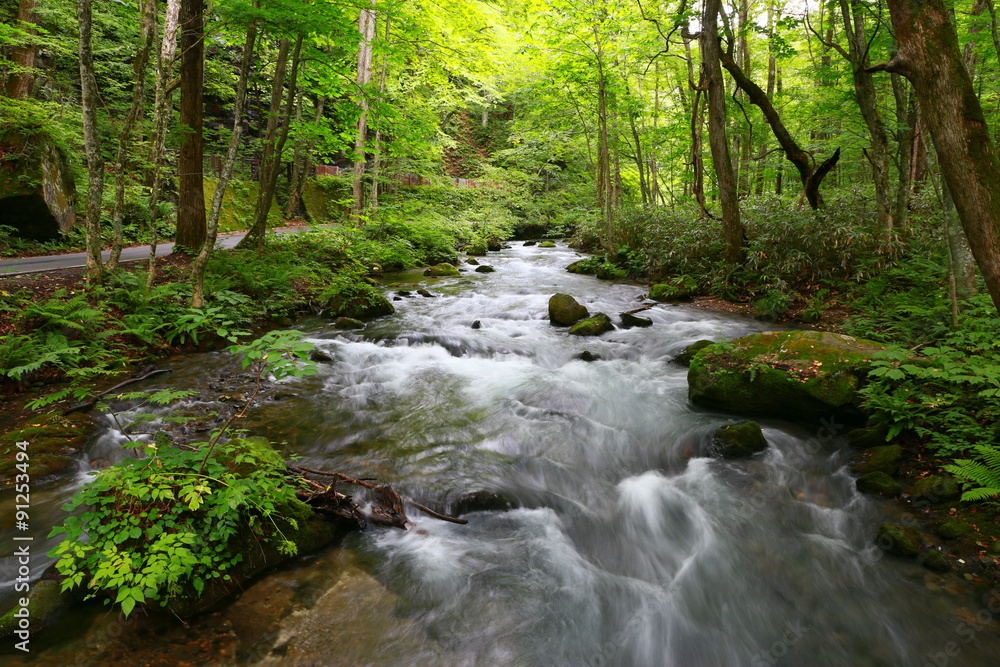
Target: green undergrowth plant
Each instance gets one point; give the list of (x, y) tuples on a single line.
[(161, 527)]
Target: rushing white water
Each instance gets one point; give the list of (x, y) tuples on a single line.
[(624, 544)]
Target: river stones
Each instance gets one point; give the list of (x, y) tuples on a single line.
[(898, 540), (685, 357), (546, 244), (357, 300), (472, 261), (675, 289), (528, 243), (440, 271), (880, 459), (425, 293), (345, 323), (485, 268), (741, 440), (789, 374), (629, 320), (879, 484), (565, 311), (592, 326), (936, 489)]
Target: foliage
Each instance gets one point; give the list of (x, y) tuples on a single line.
[(982, 474)]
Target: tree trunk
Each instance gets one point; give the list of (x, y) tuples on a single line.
[(710, 55), (161, 111), (906, 118), (148, 17), (201, 261), (929, 56), (191, 225), (299, 159), (22, 57), (89, 99), (366, 25)]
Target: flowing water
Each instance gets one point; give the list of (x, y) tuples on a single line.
[(612, 539)]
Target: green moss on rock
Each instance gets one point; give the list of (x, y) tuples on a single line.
[(441, 270), (348, 323), (952, 529), (788, 374), (936, 561), (899, 540), (937, 489), (44, 601), (878, 483), (592, 326), (685, 357), (880, 459), (584, 267), (565, 311), (351, 297), (739, 440), (54, 442), (547, 244)]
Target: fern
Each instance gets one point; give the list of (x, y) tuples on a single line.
[(982, 473)]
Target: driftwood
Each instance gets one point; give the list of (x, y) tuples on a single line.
[(641, 308), (387, 505), (145, 373)]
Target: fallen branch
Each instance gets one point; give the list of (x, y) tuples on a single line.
[(87, 405)]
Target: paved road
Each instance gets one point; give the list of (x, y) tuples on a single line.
[(13, 267)]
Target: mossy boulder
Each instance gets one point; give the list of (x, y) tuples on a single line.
[(630, 320), (867, 437), (899, 540), (592, 326), (54, 443), (528, 243), (441, 270), (937, 489), (494, 245), (584, 267), (565, 311), (547, 244), (356, 299), (878, 483), (345, 323), (737, 441), (675, 289), (885, 458), (485, 268), (45, 601), (936, 561), (952, 529), (685, 357), (789, 374)]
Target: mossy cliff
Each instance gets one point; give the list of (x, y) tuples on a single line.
[(799, 375)]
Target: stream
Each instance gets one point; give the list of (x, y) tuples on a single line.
[(603, 534)]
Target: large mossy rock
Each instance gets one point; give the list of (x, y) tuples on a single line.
[(789, 374), (54, 444), (937, 489), (885, 458), (687, 354), (547, 244), (37, 191), (592, 326), (584, 267), (440, 271), (737, 441), (878, 483), (899, 540), (675, 289), (565, 311), (357, 300), (45, 601)]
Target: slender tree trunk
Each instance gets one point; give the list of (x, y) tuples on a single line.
[(95, 163), (929, 56), (366, 25), (22, 58), (161, 111), (377, 166), (148, 10), (297, 180), (191, 225), (905, 120), (710, 56), (201, 261)]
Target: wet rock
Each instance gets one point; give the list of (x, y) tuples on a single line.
[(878, 483), (473, 261), (358, 300), (493, 245), (477, 325), (54, 443), (44, 602), (588, 356), (565, 311), (37, 191), (937, 489), (592, 326), (441, 270), (880, 459), (344, 323), (546, 244), (425, 293), (798, 375), (898, 540), (397, 298), (528, 243), (485, 269), (953, 529), (483, 501), (629, 320), (404, 292), (936, 561), (676, 289), (739, 440), (867, 437), (685, 357)]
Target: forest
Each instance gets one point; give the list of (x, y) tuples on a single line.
[(796, 202)]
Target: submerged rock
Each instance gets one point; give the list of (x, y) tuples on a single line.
[(485, 268), (482, 501), (441, 270), (565, 311), (685, 357), (739, 440), (788, 374), (898, 540), (630, 320), (588, 356), (348, 323), (878, 483), (592, 326), (477, 325)]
